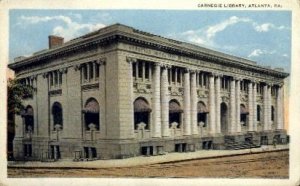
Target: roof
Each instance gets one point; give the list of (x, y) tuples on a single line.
[(119, 31)]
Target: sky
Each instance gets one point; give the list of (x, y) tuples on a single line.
[(261, 36)]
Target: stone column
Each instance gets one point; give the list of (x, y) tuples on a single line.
[(194, 102), (232, 106), (238, 105), (218, 104), (156, 102), (279, 103), (266, 106), (269, 107), (254, 106), (212, 110), (250, 106), (165, 102), (143, 71), (187, 103)]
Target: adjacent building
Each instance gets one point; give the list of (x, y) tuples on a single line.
[(120, 92)]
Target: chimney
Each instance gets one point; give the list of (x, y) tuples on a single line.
[(55, 41)]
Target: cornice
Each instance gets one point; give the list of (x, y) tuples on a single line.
[(139, 38)]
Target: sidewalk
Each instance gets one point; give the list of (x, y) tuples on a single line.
[(142, 160)]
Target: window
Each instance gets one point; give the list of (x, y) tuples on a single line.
[(141, 113), (244, 113), (91, 114), (258, 112), (57, 114), (272, 113), (27, 148), (28, 116), (142, 70), (55, 79), (202, 114), (175, 113), (90, 72)]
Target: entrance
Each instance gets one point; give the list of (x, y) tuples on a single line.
[(224, 118)]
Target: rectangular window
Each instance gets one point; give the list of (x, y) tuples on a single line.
[(173, 75), (178, 76), (147, 68), (91, 71), (140, 69), (60, 78), (97, 70), (134, 70)]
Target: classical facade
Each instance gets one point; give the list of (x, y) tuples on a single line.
[(121, 92)]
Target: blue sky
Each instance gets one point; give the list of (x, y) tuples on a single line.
[(261, 36)]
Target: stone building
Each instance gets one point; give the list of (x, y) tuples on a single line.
[(120, 92)]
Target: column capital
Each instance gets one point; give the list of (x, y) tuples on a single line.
[(215, 74), (129, 60), (102, 61), (63, 70), (187, 70), (194, 71), (77, 67), (165, 65), (238, 78)]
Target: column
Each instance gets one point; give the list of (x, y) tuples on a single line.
[(156, 102), (232, 107), (187, 103), (269, 107), (218, 104), (265, 102), (165, 102), (238, 105), (250, 106), (88, 71), (279, 104), (194, 102), (254, 106), (143, 71), (212, 110)]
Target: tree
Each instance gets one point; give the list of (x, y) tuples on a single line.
[(16, 92)]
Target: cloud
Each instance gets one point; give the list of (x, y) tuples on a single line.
[(206, 35), (68, 28), (211, 31), (259, 52), (266, 27)]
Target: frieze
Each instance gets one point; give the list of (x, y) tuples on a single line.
[(205, 66)]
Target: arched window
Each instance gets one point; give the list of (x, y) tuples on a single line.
[(175, 113), (91, 114), (272, 113), (258, 110), (244, 113), (202, 113), (28, 118), (141, 113), (57, 114)]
